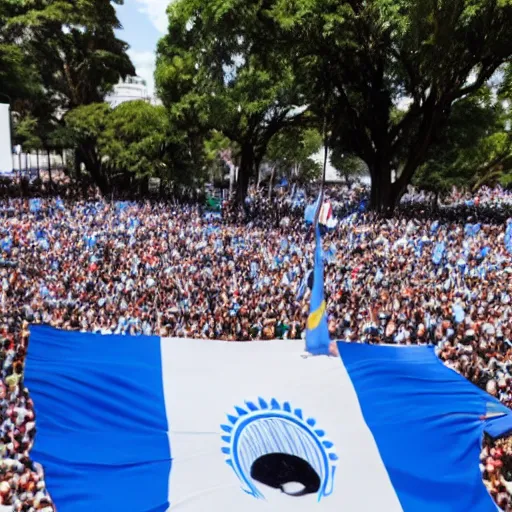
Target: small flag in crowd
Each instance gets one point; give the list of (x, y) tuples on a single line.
[(508, 237), (330, 254), (437, 256), (325, 216), (6, 243), (325, 213), (310, 212), (34, 205), (142, 423), (471, 230)]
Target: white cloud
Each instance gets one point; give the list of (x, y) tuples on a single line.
[(156, 11), (144, 63)]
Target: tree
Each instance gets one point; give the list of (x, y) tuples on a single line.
[(78, 57), (474, 148), (25, 133), (87, 124), (140, 140), (388, 73), (290, 152), (18, 72), (348, 166), (209, 73), (134, 141)]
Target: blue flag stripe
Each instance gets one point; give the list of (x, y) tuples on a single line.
[(317, 334), (437, 433), (95, 398), (394, 416)]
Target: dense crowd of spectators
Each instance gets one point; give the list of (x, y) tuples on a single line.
[(430, 274)]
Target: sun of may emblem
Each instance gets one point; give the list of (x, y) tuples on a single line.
[(275, 445)]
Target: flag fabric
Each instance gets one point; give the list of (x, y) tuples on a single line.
[(325, 216), (471, 230), (135, 424), (34, 205), (317, 332), (310, 211), (438, 253), (325, 213), (302, 288), (508, 237)]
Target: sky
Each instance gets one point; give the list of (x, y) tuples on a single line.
[(144, 23)]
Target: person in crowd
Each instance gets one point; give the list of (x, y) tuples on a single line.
[(431, 274)]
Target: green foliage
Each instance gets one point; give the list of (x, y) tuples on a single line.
[(25, 133), (400, 85), (506, 180), (348, 166), (136, 139), (88, 121), (473, 149), (75, 47), (18, 73), (290, 152), (209, 73), (361, 59)]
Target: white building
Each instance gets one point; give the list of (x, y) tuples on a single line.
[(131, 89)]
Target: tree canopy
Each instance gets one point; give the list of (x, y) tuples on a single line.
[(384, 75), (290, 152), (131, 142), (407, 89), (18, 70), (474, 147), (209, 73), (75, 48), (392, 71)]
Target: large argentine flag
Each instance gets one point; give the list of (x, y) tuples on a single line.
[(141, 424)]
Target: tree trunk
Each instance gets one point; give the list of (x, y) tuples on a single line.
[(78, 166), (244, 172), (38, 168), (49, 170), (93, 165), (381, 194), (435, 205)]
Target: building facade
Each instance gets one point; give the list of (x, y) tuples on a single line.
[(132, 89)]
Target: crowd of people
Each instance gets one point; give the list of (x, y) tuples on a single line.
[(437, 274)]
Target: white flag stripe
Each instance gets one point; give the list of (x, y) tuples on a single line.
[(205, 380)]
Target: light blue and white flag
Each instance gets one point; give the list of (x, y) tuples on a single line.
[(508, 237), (135, 424), (34, 205), (438, 253)]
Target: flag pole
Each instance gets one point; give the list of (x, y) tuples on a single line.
[(324, 171)]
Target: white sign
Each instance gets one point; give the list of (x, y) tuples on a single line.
[(5, 140)]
